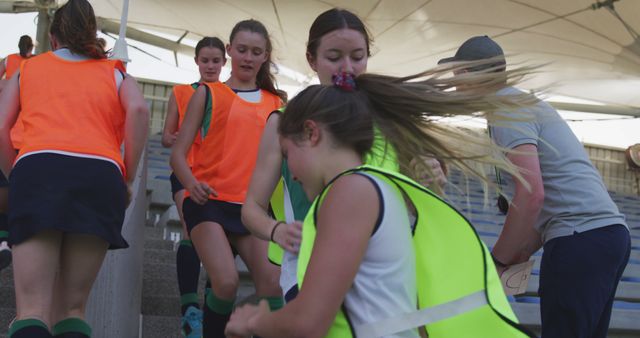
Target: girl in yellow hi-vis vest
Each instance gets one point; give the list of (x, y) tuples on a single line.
[(381, 256), (338, 42)]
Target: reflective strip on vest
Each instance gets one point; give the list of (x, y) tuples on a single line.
[(422, 317)]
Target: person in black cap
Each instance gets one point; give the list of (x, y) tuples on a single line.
[(563, 204), (477, 48)]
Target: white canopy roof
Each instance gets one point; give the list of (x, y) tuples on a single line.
[(591, 54)]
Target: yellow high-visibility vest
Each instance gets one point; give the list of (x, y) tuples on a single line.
[(459, 291)]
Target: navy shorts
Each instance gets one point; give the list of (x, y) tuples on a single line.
[(224, 213), (175, 184), (66, 193)]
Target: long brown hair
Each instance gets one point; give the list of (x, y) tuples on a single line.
[(403, 110), (264, 79), (74, 24)]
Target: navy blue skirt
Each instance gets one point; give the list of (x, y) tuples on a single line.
[(66, 193), (224, 213)]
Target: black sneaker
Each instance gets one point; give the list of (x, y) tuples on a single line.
[(5, 255)]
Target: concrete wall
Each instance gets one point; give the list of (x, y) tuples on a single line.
[(115, 301)]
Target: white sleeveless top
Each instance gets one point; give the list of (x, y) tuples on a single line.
[(385, 285)]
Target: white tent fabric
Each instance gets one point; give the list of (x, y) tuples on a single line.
[(589, 53)]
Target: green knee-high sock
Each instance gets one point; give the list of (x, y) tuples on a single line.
[(72, 328), (4, 227), (29, 328), (275, 303), (188, 270), (216, 315)]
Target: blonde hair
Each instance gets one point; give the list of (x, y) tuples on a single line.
[(403, 110)]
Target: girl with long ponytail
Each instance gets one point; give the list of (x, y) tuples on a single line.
[(376, 245)]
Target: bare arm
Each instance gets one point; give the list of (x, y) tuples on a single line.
[(9, 109), (136, 125), (519, 239), (199, 191), (335, 251), (3, 67), (263, 182), (170, 130)]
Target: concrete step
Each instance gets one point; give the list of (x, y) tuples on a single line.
[(170, 218), (6, 277), (159, 271), (153, 232), (161, 192), (158, 244), (160, 326), (161, 305), (153, 256), (7, 297)]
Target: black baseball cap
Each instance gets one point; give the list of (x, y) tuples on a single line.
[(476, 48)]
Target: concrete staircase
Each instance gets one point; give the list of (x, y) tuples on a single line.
[(160, 296)]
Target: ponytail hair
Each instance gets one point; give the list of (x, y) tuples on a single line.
[(25, 45), (74, 25), (405, 110), (264, 79)]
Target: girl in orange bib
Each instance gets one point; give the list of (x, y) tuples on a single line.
[(69, 182), (12, 62), (8, 67), (217, 183), (210, 58), (11, 65)]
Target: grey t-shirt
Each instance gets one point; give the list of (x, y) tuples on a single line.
[(575, 197)]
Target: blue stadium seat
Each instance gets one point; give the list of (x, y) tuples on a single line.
[(619, 304), (527, 299)]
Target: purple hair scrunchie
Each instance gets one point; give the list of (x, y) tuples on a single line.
[(345, 81)]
